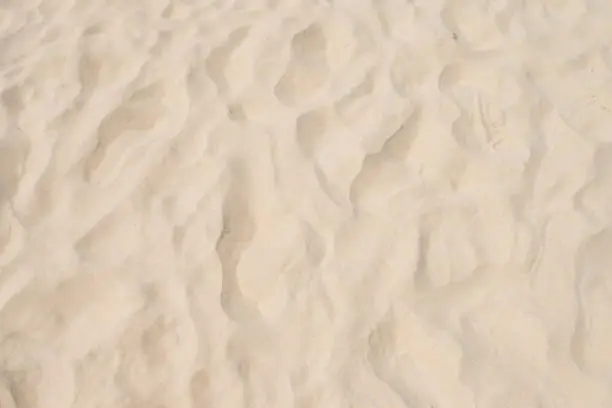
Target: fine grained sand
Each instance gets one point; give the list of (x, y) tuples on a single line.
[(310, 204)]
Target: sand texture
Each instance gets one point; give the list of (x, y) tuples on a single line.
[(305, 204)]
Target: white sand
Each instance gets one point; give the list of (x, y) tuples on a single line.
[(310, 204)]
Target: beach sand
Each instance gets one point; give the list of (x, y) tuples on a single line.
[(305, 203)]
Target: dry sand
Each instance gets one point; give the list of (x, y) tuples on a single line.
[(310, 204)]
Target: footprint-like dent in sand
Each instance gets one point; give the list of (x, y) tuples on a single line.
[(6, 398), (308, 68), (590, 341), (218, 59), (310, 129)]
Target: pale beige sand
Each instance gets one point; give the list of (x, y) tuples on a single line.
[(310, 204)]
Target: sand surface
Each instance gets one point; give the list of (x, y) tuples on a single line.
[(305, 203)]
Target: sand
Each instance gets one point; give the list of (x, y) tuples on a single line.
[(305, 203)]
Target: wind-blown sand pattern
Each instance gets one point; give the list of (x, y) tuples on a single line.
[(306, 203)]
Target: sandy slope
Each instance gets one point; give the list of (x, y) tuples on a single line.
[(310, 204)]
